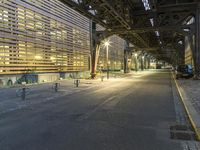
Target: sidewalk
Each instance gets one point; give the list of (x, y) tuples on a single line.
[(10, 101), (39, 93), (189, 90)]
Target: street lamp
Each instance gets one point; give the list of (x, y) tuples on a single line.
[(106, 44)]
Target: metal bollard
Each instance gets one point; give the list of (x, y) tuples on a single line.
[(77, 82), (56, 87), (102, 78), (23, 94)]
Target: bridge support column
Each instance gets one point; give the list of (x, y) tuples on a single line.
[(126, 54), (148, 62), (196, 53), (95, 48), (142, 63), (145, 62)]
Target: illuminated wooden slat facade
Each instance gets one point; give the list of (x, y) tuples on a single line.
[(43, 36)]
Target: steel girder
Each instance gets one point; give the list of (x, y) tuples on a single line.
[(129, 20), (115, 14)]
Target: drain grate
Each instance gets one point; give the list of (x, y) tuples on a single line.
[(182, 132)]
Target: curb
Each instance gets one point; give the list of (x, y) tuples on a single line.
[(194, 126)]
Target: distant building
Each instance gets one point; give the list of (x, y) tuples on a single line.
[(188, 47)]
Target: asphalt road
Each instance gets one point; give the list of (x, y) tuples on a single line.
[(134, 113)]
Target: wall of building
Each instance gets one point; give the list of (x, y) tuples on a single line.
[(46, 38), (115, 54), (188, 52), (188, 46), (42, 36)]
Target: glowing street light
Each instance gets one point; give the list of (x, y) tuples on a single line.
[(136, 55), (107, 44), (143, 57)]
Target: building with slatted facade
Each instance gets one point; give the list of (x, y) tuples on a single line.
[(44, 38)]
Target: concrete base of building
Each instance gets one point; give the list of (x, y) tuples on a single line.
[(11, 80)]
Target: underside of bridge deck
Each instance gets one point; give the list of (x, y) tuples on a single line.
[(158, 27)]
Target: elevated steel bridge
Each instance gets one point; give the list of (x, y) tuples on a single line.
[(156, 26)]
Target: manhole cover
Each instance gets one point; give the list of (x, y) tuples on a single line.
[(182, 132)]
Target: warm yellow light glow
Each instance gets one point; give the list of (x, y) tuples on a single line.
[(136, 54), (107, 43), (52, 58), (38, 57)]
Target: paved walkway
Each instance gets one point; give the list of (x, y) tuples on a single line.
[(190, 93), (10, 99), (134, 113), (192, 89), (114, 114)]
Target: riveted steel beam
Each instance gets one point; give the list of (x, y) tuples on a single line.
[(116, 15), (129, 20), (78, 7)]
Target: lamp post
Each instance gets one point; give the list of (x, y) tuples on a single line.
[(107, 43)]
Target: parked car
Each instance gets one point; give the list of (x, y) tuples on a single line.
[(184, 71)]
